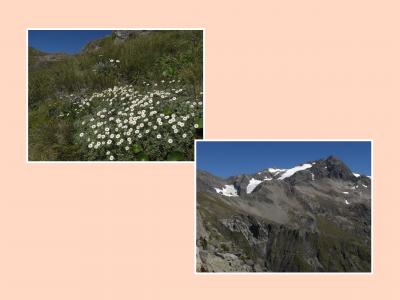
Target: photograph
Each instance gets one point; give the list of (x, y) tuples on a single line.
[(114, 95), (283, 206)]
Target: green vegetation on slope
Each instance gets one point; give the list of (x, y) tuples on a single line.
[(58, 83), (284, 248)]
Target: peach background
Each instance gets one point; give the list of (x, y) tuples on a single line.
[(274, 69)]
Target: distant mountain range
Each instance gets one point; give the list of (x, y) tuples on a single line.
[(315, 217)]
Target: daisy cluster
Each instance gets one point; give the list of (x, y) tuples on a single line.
[(137, 122)]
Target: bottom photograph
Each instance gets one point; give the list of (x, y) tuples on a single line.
[(283, 206)]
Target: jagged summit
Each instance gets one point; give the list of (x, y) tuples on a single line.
[(330, 167)]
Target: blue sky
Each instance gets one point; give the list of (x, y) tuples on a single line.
[(68, 41), (232, 158)]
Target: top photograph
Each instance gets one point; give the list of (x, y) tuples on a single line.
[(114, 95)]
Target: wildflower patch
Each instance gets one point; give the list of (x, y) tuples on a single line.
[(150, 121)]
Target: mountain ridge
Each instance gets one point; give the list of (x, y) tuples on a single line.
[(251, 222), (330, 167), (274, 167)]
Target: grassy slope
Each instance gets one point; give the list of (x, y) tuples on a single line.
[(153, 57)]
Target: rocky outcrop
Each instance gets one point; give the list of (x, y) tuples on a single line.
[(117, 37), (122, 35), (268, 247)]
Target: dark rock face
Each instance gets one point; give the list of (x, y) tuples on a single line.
[(337, 169), (240, 183), (324, 168), (302, 176), (317, 220)]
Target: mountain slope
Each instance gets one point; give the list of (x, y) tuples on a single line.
[(116, 82), (315, 217)]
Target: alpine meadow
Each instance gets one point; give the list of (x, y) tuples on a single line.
[(131, 95)]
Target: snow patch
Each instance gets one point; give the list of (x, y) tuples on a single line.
[(228, 190), (267, 179), (272, 170), (252, 185), (312, 176), (357, 175), (291, 171), (364, 185), (345, 193), (347, 202)]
